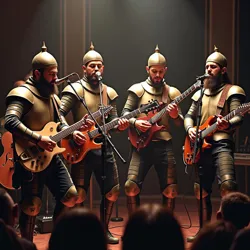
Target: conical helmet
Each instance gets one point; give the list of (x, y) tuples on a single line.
[(43, 59), (91, 55), (217, 57), (157, 58)]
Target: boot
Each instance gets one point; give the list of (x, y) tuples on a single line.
[(132, 203), (169, 203), (27, 225), (206, 216), (108, 212)]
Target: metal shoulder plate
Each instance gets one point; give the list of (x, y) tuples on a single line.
[(21, 92), (137, 89), (196, 96), (78, 88), (173, 92), (235, 90), (112, 94)]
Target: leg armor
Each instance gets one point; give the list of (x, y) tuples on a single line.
[(81, 195), (206, 203), (133, 199), (30, 208), (169, 194), (226, 173), (70, 198), (110, 198)]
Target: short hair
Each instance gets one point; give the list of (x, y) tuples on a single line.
[(215, 236), (152, 226), (235, 207)]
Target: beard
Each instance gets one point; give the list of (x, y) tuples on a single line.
[(92, 80), (46, 87), (157, 81), (213, 82)]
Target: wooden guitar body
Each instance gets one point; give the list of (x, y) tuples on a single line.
[(75, 153), (139, 139), (31, 156), (188, 149), (7, 161)]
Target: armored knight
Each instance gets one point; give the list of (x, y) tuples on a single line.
[(220, 98), (29, 108), (159, 150), (89, 88)]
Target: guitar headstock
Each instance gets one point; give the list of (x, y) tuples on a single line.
[(106, 109), (150, 106), (243, 108)]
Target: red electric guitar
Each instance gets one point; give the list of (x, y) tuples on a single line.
[(207, 130), (141, 139)]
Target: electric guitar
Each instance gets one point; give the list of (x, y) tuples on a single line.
[(75, 153), (141, 139), (35, 159), (206, 132), (7, 161)]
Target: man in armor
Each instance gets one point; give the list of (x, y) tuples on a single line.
[(220, 98), (89, 88), (159, 151), (30, 107)]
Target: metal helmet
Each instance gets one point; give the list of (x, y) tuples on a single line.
[(43, 59), (217, 57), (91, 55), (157, 58)]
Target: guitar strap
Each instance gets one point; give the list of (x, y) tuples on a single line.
[(165, 92), (104, 95), (223, 97), (56, 107)]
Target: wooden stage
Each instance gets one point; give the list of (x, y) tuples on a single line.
[(116, 228)]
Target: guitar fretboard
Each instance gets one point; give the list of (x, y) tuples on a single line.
[(241, 110), (64, 133), (94, 133), (177, 100)]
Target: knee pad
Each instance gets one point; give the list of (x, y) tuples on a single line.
[(197, 191), (131, 188), (170, 191), (70, 198), (227, 187), (31, 205), (82, 195), (113, 194)]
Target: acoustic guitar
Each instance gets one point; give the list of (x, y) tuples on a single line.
[(7, 161)]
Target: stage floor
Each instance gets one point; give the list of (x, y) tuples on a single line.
[(190, 226)]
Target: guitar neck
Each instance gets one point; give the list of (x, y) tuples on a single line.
[(64, 133), (108, 126), (229, 116), (177, 100)]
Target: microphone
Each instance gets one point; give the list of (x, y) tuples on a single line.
[(98, 75), (203, 77), (59, 81)]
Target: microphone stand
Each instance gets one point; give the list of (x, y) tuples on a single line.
[(105, 142), (198, 146), (104, 136)]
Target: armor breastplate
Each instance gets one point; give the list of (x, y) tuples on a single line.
[(209, 108), (156, 94), (41, 113), (92, 99)]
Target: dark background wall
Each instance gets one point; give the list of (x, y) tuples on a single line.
[(125, 33)]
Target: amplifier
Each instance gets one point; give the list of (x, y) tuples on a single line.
[(44, 223)]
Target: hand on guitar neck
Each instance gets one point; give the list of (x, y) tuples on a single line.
[(221, 124)]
